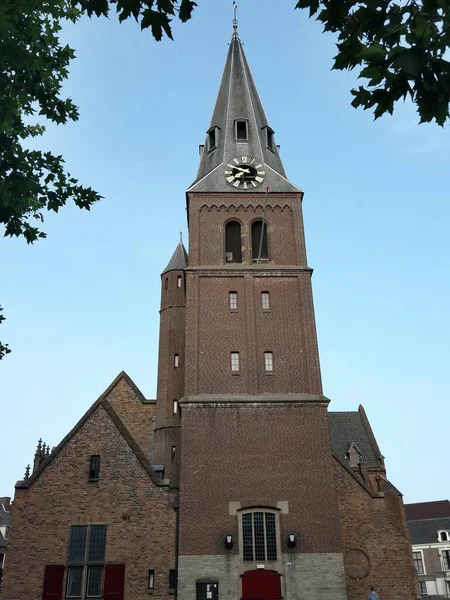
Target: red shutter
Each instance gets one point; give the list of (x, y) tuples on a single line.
[(114, 582), (53, 582)]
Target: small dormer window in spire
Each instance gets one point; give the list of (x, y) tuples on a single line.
[(270, 142), (241, 129), (354, 455), (213, 138)]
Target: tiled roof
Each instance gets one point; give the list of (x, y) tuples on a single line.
[(425, 531), (427, 510), (4, 516), (348, 427), (3, 542)]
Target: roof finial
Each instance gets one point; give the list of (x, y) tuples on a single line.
[(235, 22), (181, 237)]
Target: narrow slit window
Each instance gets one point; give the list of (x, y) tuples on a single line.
[(213, 138), (268, 362), (176, 361), (270, 140), (232, 296), (94, 467), (172, 579), (235, 362), (175, 409), (179, 280), (265, 300), (166, 283), (151, 579), (241, 130), (173, 453)]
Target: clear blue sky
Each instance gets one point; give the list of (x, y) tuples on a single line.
[(83, 304)]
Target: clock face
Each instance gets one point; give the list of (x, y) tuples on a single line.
[(244, 172)]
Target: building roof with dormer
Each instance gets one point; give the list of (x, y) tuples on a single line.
[(238, 100)]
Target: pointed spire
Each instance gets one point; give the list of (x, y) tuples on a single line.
[(179, 260), (238, 102)]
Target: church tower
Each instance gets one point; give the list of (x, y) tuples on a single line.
[(257, 501)]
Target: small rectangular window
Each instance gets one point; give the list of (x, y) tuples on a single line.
[(233, 301), (94, 582), (74, 582), (268, 362), (179, 279), (241, 130), (423, 587), (173, 453), (265, 300), (270, 142), (172, 579), (176, 360), (151, 579), (166, 283), (175, 407), (213, 135), (94, 468), (77, 546), (235, 362), (418, 562)]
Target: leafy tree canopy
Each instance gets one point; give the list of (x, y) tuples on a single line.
[(399, 46)]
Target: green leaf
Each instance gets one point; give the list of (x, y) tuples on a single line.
[(375, 74), (186, 9), (410, 61)]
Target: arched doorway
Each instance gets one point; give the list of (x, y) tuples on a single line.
[(261, 584)]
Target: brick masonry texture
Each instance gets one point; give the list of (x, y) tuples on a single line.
[(170, 378), (209, 213), (303, 576), (377, 549), (139, 515), (257, 456)]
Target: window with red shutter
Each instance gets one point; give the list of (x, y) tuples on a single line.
[(114, 582), (53, 582)]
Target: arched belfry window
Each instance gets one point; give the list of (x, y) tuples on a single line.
[(233, 249), (259, 242)]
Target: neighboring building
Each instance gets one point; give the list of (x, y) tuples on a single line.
[(277, 497), (4, 533), (429, 527)]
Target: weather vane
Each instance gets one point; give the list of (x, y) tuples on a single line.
[(235, 23)]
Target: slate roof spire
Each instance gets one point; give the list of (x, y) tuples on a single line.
[(179, 260), (238, 100)]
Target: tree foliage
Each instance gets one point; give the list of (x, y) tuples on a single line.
[(400, 47)]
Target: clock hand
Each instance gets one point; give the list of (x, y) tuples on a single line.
[(239, 175), (243, 170)]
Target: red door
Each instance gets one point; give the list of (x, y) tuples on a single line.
[(261, 584)]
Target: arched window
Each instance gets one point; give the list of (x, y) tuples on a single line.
[(233, 250), (259, 242), (259, 536)]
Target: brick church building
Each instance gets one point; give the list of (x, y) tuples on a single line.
[(236, 482)]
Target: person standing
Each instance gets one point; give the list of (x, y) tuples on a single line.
[(372, 595)]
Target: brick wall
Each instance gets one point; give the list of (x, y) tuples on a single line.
[(257, 455), (208, 214), (139, 515), (170, 378), (135, 413), (375, 540)]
